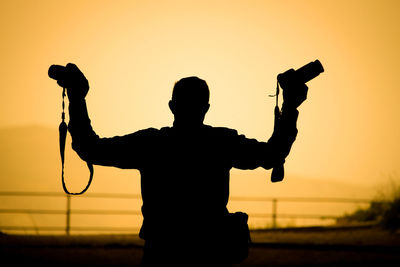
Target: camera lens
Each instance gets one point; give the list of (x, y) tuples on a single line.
[(309, 71)]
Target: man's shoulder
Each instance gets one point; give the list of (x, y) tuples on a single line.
[(144, 133), (220, 131), (150, 130)]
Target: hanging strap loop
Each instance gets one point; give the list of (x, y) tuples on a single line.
[(63, 129)]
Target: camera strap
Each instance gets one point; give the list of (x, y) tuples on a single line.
[(278, 172), (276, 95), (277, 110), (63, 129)]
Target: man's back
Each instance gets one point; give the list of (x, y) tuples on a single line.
[(185, 176)]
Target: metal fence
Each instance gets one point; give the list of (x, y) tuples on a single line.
[(68, 210)]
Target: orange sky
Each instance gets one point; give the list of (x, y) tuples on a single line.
[(132, 52)]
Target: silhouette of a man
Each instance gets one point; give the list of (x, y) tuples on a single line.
[(184, 169)]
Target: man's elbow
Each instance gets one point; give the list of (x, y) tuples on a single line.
[(84, 151)]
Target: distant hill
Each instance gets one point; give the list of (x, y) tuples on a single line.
[(259, 181)]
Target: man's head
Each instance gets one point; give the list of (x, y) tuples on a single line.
[(189, 102)]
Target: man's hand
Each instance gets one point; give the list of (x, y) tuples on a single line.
[(294, 95), (72, 78)]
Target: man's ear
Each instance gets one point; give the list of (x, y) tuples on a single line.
[(171, 106)]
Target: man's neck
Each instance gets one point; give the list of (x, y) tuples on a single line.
[(186, 125)]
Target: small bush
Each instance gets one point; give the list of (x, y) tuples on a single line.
[(391, 216), (373, 213), (385, 212)]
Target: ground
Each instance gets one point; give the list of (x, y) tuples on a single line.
[(359, 246)]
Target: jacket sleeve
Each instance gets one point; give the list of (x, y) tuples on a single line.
[(250, 154), (127, 152)]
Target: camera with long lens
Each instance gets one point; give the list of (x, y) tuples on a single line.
[(300, 76)]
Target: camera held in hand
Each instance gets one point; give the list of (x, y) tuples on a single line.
[(57, 72), (71, 78), (294, 93)]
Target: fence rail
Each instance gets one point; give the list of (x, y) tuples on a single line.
[(68, 211)]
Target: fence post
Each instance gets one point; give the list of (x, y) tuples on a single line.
[(274, 207), (68, 215)]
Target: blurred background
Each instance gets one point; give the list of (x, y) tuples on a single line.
[(132, 52)]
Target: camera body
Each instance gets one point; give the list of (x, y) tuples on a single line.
[(70, 76), (300, 76), (57, 72)]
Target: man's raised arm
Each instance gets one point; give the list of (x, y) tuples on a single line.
[(120, 151), (250, 153)]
